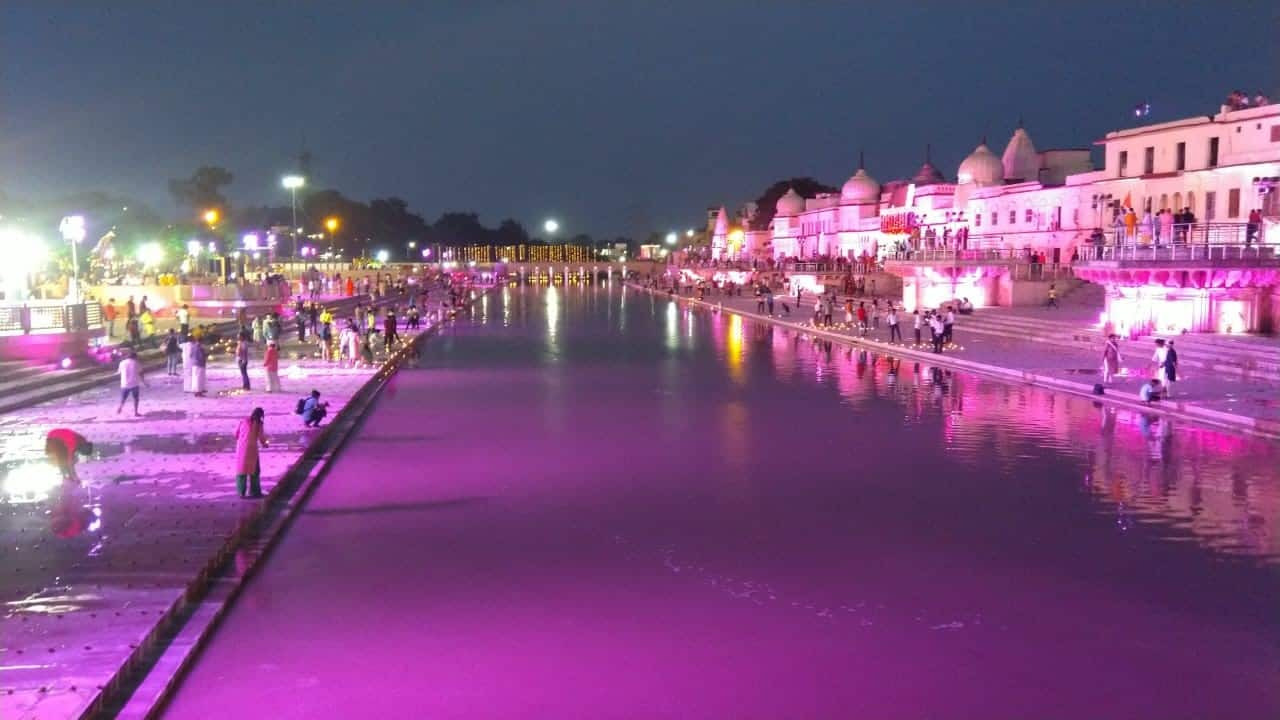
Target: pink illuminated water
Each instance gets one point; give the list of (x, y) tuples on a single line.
[(596, 504)]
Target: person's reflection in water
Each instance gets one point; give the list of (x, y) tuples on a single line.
[(69, 514)]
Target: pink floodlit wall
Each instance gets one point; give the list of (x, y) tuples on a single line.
[(928, 289), (1132, 311)]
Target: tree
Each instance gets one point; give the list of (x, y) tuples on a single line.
[(203, 190), (806, 187)]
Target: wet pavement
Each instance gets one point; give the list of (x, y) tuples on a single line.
[(87, 572), (598, 504)]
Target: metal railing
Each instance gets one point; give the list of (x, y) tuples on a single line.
[(52, 317), (1190, 252)]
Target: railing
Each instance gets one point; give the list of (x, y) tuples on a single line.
[(1197, 252), (45, 318), (1184, 234)]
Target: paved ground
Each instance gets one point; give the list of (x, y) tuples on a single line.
[(1255, 399), (87, 572)]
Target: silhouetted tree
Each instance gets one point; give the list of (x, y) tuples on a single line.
[(806, 186), (203, 190)]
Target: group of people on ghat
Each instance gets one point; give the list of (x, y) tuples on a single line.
[(1163, 369)]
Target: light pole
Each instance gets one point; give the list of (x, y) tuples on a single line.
[(292, 183), (72, 228), (331, 224)]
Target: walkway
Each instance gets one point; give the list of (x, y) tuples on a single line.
[(87, 574)]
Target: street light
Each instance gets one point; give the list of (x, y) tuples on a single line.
[(551, 227), (688, 233), (72, 228), (211, 217), (331, 224), (292, 183), (671, 238)]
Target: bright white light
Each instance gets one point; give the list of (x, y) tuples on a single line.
[(194, 247), (72, 228), (383, 256), (551, 227), (250, 241), (413, 244), (671, 238), (150, 254), (688, 233), (426, 253), (31, 483), (293, 182), (213, 246)]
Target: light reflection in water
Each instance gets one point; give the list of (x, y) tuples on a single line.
[(1171, 477)]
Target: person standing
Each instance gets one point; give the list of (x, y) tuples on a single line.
[(1251, 228), (848, 311), (1166, 226), (949, 325), (184, 320), (110, 313), (250, 436), (389, 333), (1053, 296), (1111, 359), (895, 333), (172, 351), (915, 319), (862, 317), (875, 313), (1158, 359), (939, 332), (300, 321), (199, 359), (1130, 225), (242, 361), (257, 326), (1170, 369), (768, 301), (271, 364), (130, 381)]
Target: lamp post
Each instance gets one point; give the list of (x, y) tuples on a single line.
[(292, 183), (72, 228)]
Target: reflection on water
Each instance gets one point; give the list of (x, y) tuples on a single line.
[(1185, 482)]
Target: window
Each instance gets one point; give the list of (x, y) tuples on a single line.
[(1123, 162), (1075, 217), (1177, 202), (1148, 161), (1030, 215), (1233, 203), (1275, 133), (1182, 156), (1213, 152), (995, 218), (1013, 217), (1210, 206), (977, 219), (1191, 201)]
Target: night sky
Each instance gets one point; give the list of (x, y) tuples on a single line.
[(615, 117)]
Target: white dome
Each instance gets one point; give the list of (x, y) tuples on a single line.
[(790, 203), (982, 167), (1021, 161), (861, 188)]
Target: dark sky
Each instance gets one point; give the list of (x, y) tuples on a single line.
[(613, 116)]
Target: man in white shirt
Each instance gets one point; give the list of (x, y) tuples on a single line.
[(130, 381), (184, 320), (894, 332)]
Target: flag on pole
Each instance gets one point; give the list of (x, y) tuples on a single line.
[(1128, 200)]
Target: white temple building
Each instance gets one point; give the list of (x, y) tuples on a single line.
[(946, 239)]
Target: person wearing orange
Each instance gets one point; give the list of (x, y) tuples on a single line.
[(62, 446)]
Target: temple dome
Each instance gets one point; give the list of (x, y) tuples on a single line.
[(791, 203), (982, 167), (861, 188), (1021, 160), (928, 175)]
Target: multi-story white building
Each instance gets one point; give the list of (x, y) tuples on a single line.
[(964, 238)]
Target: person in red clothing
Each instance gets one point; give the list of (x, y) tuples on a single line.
[(109, 313), (61, 446)]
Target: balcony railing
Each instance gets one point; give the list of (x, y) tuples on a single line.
[(1214, 252), (37, 318)]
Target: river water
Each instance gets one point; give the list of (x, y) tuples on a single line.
[(594, 503)]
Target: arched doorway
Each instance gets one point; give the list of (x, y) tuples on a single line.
[(1177, 202), (1191, 202), (1164, 201)]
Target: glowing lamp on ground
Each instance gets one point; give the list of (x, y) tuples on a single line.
[(31, 482), (65, 364)]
